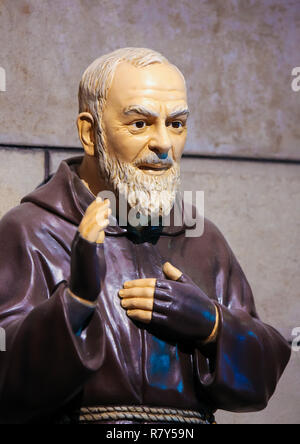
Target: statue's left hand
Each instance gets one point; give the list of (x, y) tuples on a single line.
[(175, 304)]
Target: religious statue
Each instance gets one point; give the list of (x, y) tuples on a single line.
[(109, 322)]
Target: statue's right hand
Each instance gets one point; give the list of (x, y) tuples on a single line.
[(95, 220), (88, 265)]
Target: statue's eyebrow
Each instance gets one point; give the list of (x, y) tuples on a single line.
[(184, 111), (146, 112), (141, 110)]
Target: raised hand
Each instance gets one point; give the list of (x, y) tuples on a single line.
[(95, 220), (88, 265)]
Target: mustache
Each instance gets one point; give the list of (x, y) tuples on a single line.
[(154, 160)]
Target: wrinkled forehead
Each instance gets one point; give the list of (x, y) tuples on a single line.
[(158, 82)]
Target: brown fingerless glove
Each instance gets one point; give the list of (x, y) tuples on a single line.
[(88, 268), (183, 310)]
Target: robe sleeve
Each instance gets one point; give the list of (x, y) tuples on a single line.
[(242, 368), (45, 363)]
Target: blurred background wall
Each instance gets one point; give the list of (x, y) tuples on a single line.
[(243, 144)]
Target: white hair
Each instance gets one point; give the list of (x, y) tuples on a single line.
[(98, 77)]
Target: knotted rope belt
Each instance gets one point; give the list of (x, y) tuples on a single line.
[(142, 413)]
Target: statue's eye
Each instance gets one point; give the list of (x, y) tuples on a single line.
[(177, 124), (140, 124)]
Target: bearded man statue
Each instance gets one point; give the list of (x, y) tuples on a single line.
[(111, 322)]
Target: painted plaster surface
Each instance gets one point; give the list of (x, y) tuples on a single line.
[(237, 57)]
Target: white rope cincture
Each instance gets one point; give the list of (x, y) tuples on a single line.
[(151, 414)]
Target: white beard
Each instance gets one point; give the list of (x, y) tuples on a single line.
[(148, 195)]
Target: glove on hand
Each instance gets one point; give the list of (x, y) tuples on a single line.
[(88, 268), (182, 308)]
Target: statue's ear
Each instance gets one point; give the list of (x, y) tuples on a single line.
[(85, 125)]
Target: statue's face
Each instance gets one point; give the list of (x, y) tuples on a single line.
[(144, 132), (146, 113)]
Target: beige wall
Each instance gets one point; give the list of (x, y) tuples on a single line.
[(237, 57)]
